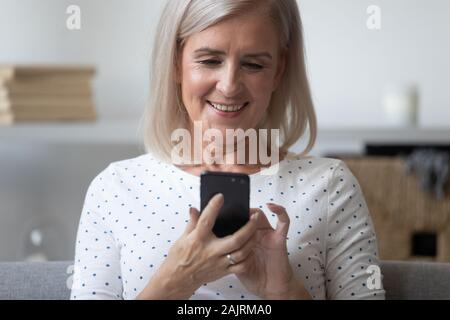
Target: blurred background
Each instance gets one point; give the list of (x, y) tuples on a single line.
[(379, 73)]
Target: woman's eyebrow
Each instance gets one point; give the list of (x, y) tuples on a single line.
[(208, 50)]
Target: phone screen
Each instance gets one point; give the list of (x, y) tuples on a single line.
[(235, 188)]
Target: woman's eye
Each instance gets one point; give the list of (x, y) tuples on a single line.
[(210, 62), (254, 66)]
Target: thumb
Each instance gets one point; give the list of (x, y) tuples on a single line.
[(194, 216)]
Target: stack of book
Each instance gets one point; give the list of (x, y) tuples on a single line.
[(46, 93)]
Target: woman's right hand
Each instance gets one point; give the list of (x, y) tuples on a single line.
[(198, 256)]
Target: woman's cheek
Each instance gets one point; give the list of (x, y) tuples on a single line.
[(261, 90), (202, 79), (193, 85)]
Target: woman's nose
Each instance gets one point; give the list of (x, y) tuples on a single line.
[(229, 83)]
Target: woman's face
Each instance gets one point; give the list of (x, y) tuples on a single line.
[(234, 66)]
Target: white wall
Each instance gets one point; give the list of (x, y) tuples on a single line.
[(44, 185), (349, 64), (115, 36)]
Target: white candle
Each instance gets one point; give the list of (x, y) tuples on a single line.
[(400, 105)]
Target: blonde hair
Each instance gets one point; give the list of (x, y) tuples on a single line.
[(291, 108)]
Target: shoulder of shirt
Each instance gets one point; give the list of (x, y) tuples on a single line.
[(118, 168), (144, 160), (294, 161)]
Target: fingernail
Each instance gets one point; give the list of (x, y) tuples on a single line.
[(219, 196), (255, 216)]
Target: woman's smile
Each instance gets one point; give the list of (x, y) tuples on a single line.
[(228, 111)]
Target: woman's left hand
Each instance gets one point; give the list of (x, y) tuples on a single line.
[(266, 272)]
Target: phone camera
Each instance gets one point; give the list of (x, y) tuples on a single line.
[(242, 181), (233, 179)]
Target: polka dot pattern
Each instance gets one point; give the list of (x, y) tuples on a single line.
[(136, 209)]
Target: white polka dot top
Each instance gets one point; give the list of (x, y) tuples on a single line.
[(136, 209)]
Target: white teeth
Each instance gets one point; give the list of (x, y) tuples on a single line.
[(225, 108)]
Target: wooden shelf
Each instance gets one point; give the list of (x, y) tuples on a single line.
[(102, 131), (353, 140), (388, 135), (128, 131)]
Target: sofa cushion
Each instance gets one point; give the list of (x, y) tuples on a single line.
[(35, 280), (52, 280), (416, 280)]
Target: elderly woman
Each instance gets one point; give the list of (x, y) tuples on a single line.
[(228, 64)]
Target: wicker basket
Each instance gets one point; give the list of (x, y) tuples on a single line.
[(399, 208)]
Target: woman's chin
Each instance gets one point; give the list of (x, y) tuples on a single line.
[(223, 127)]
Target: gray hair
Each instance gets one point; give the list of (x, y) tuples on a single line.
[(291, 108)]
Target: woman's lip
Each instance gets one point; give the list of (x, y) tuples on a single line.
[(227, 104), (228, 114)]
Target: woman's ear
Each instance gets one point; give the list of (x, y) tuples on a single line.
[(281, 67)]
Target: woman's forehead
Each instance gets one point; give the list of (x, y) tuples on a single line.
[(247, 34)]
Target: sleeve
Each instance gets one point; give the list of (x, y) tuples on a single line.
[(97, 273), (352, 265)]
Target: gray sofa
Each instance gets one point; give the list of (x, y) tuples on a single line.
[(51, 280)]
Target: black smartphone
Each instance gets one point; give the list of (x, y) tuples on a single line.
[(235, 211)]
